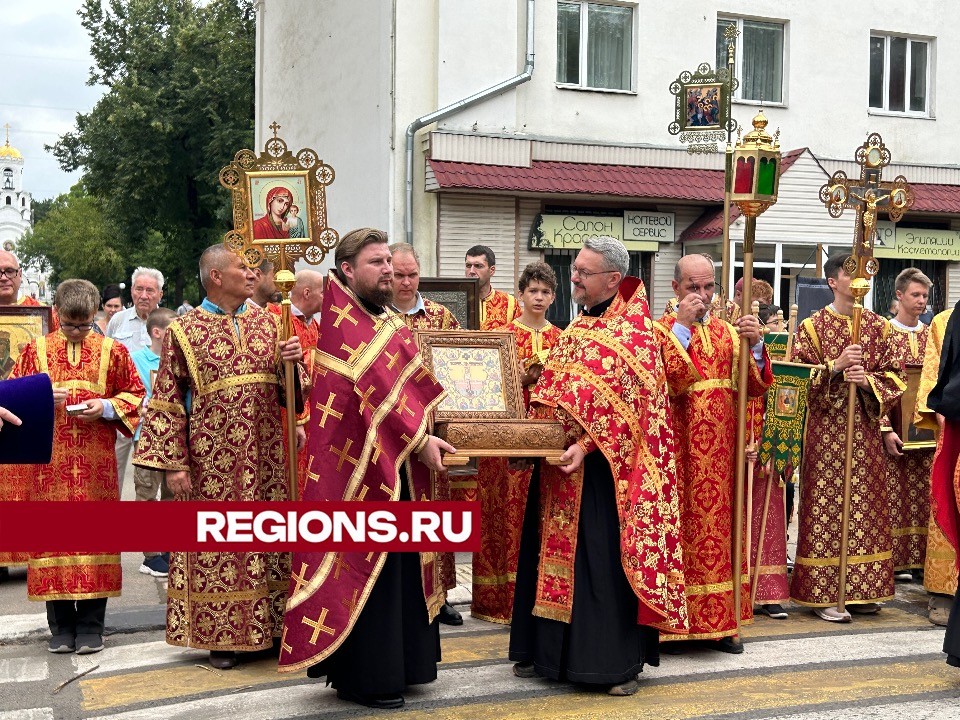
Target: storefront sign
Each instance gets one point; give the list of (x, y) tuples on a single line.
[(916, 243), (648, 229), (639, 230)]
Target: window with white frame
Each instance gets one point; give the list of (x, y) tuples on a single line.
[(595, 45), (759, 58), (900, 74)]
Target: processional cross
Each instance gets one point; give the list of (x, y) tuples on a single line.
[(256, 183), (870, 195)]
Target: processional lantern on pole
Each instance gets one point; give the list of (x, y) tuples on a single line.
[(280, 215), (866, 197), (756, 180)]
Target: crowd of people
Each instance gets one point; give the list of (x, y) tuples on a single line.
[(621, 551)]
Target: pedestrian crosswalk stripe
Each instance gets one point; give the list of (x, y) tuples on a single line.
[(23, 670), (928, 709), (31, 714)]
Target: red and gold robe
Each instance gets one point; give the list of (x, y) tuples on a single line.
[(503, 496), (908, 477), (604, 382), (815, 581), (379, 397), (230, 440), (703, 390), (772, 584), (308, 333), (497, 309), (434, 316), (940, 563), (83, 465)]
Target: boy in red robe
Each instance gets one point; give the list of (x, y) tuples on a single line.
[(96, 391)]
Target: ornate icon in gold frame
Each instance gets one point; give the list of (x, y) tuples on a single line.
[(279, 205), (19, 324)]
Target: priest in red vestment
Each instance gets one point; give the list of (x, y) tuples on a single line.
[(96, 372), (701, 355), (213, 424), (875, 366), (600, 570), (944, 400), (367, 620)]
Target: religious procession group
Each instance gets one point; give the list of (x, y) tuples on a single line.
[(621, 550)]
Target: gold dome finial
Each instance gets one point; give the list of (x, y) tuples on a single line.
[(8, 150)]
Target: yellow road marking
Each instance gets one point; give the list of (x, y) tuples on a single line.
[(175, 682), (685, 700), (474, 648), (802, 621)]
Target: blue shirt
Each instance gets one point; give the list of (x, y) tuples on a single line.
[(145, 360)]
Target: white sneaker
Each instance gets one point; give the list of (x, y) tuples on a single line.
[(830, 614)]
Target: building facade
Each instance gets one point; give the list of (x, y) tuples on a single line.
[(521, 123), (16, 214)]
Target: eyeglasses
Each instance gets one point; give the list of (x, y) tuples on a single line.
[(9, 272), (78, 328), (586, 274)]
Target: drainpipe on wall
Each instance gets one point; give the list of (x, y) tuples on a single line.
[(459, 105)]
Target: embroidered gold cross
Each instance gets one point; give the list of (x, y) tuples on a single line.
[(386, 489), (365, 399), (344, 454), (423, 372), (327, 410), (354, 352), (363, 492), (370, 555), (394, 357), (343, 314), (76, 473), (74, 431), (339, 564), (283, 642), (318, 626), (402, 405), (351, 603), (300, 579)]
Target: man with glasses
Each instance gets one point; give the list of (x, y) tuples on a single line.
[(700, 352), (610, 523), (11, 275)]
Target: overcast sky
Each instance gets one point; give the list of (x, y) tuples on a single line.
[(48, 50)]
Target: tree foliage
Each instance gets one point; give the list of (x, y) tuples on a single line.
[(75, 239), (179, 104)]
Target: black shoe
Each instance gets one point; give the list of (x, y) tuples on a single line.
[(728, 645), (774, 610), (223, 659), (89, 644), (379, 702), (62, 644), (524, 670), (449, 616)]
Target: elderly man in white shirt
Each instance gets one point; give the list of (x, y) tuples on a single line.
[(129, 327)]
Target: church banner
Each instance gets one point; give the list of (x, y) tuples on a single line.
[(786, 415)]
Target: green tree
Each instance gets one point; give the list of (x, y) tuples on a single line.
[(75, 239), (179, 104)]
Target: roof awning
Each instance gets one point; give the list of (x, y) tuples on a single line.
[(583, 179)]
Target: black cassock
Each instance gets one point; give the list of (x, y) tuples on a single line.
[(602, 644)]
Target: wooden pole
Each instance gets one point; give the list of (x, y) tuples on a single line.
[(285, 281), (791, 331), (763, 534), (848, 459), (750, 231), (755, 309)]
